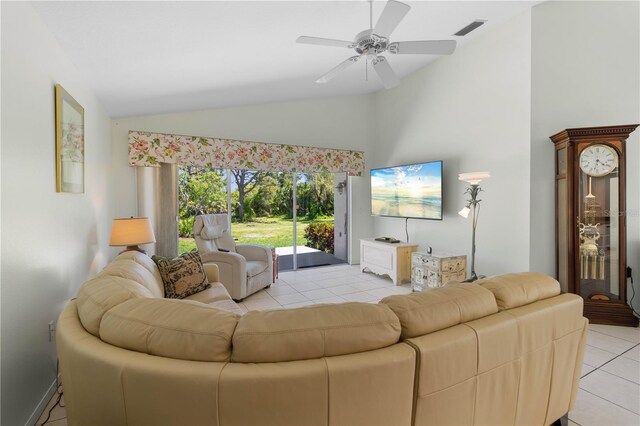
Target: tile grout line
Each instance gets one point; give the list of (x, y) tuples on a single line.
[(613, 359), (605, 399), (604, 350), (614, 375), (611, 335), (607, 362), (573, 421), (594, 369), (634, 343)]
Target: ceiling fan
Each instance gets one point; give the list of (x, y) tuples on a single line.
[(373, 42)]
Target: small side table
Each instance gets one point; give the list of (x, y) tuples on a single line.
[(274, 258), (435, 270)]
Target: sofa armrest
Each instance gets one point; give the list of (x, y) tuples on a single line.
[(212, 272), (254, 252)]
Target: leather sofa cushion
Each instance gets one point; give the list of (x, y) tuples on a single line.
[(227, 305), (216, 292), (127, 267), (145, 261), (313, 332), (102, 293), (428, 311), (519, 289), (170, 328)]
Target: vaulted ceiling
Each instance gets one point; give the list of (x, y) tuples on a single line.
[(145, 58)]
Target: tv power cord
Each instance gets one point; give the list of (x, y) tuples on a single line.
[(406, 228), (60, 394), (633, 293), (57, 403)]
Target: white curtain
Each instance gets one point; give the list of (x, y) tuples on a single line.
[(158, 200)]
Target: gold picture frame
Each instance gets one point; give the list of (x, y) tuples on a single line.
[(69, 143)]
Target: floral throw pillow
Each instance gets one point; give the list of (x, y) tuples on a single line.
[(182, 276)]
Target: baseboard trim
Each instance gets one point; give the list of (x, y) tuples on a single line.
[(42, 404)]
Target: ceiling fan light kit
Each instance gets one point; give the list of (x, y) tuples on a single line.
[(373, 42)]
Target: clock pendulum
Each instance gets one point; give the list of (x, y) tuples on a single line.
[(591, 258)]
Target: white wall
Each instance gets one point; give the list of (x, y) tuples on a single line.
[(51, 242), (331, 122), (471, 110), (586, 68)]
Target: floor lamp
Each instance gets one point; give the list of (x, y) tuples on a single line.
[(473, 206)]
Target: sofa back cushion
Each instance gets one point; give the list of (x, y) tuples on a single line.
[(170, 328), (138, 267), (428, 311), (102, 293), (131, 275), (519, 289), (313, 332)]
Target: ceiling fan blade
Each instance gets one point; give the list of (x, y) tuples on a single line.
[(324, 41), (425, 47), (391, 16), (338, 69), (384, 71)]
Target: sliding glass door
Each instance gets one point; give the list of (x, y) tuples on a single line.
[(316, 196), (262, 209), (303, 216), (201, 190)]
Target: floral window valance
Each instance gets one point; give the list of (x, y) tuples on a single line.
[(150, 149)]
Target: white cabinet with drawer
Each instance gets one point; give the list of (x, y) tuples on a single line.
[(392, 259)]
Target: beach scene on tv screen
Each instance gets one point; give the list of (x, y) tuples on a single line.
[(408, 191)]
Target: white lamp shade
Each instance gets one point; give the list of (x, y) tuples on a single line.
[(474, 178), (131, 232), (464, 212)]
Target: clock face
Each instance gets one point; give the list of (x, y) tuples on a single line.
[(598, 160)]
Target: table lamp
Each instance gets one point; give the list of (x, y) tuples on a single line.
[(131, 232), (473, 205)]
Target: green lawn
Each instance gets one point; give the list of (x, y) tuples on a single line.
[(274, 231)]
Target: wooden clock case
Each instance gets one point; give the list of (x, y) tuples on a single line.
[(600, 277)]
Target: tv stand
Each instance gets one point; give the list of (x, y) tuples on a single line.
[(383, 258)]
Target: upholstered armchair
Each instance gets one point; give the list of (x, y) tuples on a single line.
[(244, 268)]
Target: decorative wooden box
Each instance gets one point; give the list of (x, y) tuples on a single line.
[(435, 270)]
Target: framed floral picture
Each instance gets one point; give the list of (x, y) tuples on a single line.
[(69, 143)]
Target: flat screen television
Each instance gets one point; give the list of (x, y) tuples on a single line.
[(411, 191)]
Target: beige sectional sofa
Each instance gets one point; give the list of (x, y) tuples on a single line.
[(506, 350)]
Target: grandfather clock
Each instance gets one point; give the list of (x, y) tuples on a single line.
[(591, 220)]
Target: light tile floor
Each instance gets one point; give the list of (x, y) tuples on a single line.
[(609, 388)]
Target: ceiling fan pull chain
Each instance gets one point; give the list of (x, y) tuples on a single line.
[(366, 69)]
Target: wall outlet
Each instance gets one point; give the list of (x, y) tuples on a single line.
[(52, 330)]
